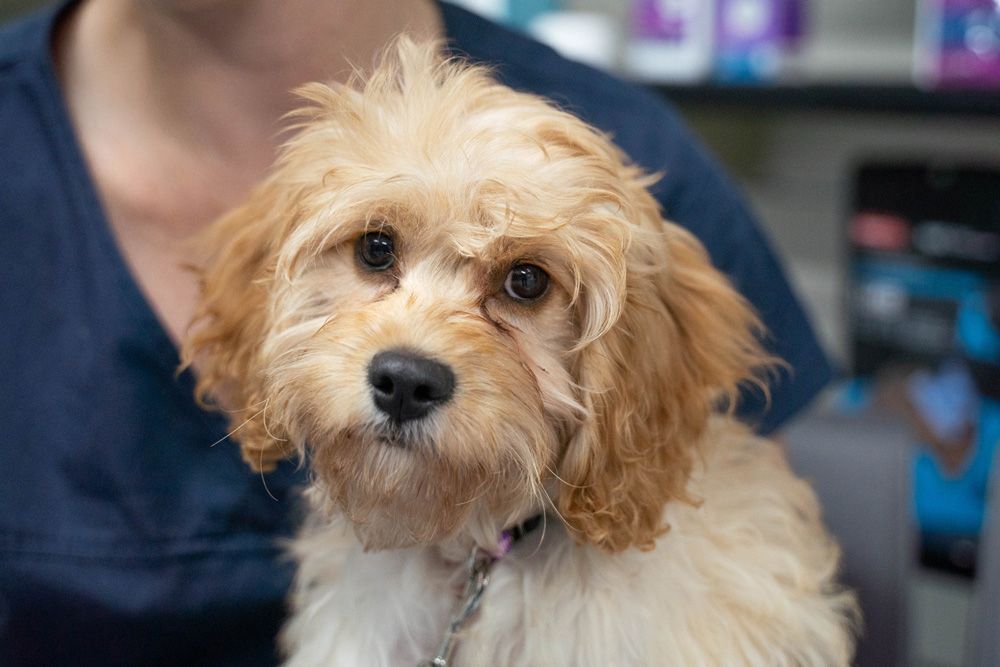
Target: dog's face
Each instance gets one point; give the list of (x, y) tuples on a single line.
[(455, 298)]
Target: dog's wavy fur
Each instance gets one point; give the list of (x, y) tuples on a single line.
[(603, 404)]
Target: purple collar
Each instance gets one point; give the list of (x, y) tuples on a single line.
[(512, 535)]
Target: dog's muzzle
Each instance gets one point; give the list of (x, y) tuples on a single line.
[(407, 386)]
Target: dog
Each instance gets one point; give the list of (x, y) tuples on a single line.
[(461, 307)]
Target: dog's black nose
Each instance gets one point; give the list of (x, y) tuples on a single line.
[(408, 386)]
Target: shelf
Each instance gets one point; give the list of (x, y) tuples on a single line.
[(863, 97)]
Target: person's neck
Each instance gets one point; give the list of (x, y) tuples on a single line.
[(215, 76)]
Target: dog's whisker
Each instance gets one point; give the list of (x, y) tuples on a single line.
[(327, 322), (233, 431), (280, 357), (539, 493), (474, 498), (234, 411), (264, 420), (263, 479), (563, 519), (563, 481), (471, 500)]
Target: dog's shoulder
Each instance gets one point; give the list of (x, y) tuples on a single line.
[(746, 576), (754, 560)]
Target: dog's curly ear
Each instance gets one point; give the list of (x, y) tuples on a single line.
[(231, 319), (681, 347)]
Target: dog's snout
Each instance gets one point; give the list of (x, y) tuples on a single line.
[(408, 386)]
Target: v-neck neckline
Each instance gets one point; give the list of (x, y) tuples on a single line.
[(88, 203)]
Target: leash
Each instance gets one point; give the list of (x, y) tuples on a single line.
[(479, 564)]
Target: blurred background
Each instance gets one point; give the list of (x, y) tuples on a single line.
[(867, 136)]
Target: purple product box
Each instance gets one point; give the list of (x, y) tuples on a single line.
[(958, 43), (753, 36), (671, 40), (658, 21)]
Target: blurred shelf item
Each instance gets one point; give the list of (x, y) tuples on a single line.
[(868, 97)]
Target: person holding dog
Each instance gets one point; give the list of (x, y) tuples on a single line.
[(130, 531)]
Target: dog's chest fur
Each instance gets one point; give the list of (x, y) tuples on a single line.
[(744, 578)]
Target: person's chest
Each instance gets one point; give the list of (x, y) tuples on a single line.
[(155, 207)]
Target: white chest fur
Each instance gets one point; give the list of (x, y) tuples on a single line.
[(744, 578)]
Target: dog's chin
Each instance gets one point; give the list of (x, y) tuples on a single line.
[(398, 491), (386, 531)]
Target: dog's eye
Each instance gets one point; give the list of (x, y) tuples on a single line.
[(375, 251), (526, 282)]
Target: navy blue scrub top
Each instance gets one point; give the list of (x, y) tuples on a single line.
[(126, 537)]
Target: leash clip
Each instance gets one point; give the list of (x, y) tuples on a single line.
[(479, 564)]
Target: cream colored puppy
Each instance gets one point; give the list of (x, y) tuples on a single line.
[(462, 307)]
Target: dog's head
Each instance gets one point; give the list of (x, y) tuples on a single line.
[(456, 298)]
